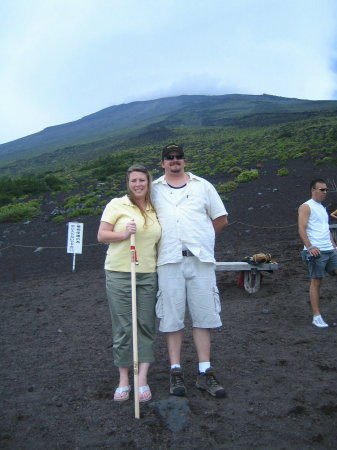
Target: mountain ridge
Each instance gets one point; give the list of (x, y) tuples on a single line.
[(120, 122)]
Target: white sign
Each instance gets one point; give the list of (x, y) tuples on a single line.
[(75, 237)]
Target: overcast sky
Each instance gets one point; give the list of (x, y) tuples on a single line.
[(63, 59)]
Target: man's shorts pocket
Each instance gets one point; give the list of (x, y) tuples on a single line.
[(216, 297), (160, 305)]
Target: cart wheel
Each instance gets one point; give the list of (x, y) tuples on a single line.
[(252, 281)]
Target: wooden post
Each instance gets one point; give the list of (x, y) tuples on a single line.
[(134, 323)]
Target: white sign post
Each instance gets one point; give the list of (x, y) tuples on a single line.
[(75, 239)]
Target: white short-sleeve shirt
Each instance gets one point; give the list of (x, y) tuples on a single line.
[(185, 215)]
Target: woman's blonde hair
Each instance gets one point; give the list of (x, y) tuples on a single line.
[(148, 202)]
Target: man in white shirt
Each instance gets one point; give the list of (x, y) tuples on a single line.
[(190, 212), (319, 246)]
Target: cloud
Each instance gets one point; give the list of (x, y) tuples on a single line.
[(66, 59)]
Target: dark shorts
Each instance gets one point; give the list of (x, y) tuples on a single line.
[(319, 267)]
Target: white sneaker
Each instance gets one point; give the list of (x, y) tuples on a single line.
[(319, 322)]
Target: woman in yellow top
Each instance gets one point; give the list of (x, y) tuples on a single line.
[(334, 214), (122, 217)]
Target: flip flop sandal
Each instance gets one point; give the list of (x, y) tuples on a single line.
[(122, 394), (144, 394)]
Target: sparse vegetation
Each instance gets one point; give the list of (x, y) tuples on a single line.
[(17, 188), (247, 175), (224, 141), (19, 212), (72, 202), (229, 186), (235, 169), (282, 172), (84, 212), (58, 219)]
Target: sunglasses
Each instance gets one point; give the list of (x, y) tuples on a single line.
[(171, 157), (322, 189)]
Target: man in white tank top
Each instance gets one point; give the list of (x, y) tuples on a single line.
[(320, 252)]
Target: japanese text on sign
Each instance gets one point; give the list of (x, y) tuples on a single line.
[(75, 237)]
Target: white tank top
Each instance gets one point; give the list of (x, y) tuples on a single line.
[(318, 226)]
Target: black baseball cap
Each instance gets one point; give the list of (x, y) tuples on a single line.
[(172, 148)]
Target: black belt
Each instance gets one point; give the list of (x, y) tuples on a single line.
[(187, 253)]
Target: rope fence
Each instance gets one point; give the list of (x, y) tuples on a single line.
[(256, 226), (44, 247), (98, 243), (12, 266)]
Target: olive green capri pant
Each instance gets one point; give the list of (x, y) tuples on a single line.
[(118, 288)]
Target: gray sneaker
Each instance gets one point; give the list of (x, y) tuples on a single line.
[(177, 386), (208, 382)]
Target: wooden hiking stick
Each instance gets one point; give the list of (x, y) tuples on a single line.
[(134, 323)]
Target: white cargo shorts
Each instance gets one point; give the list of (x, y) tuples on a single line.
[(190, 282)]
